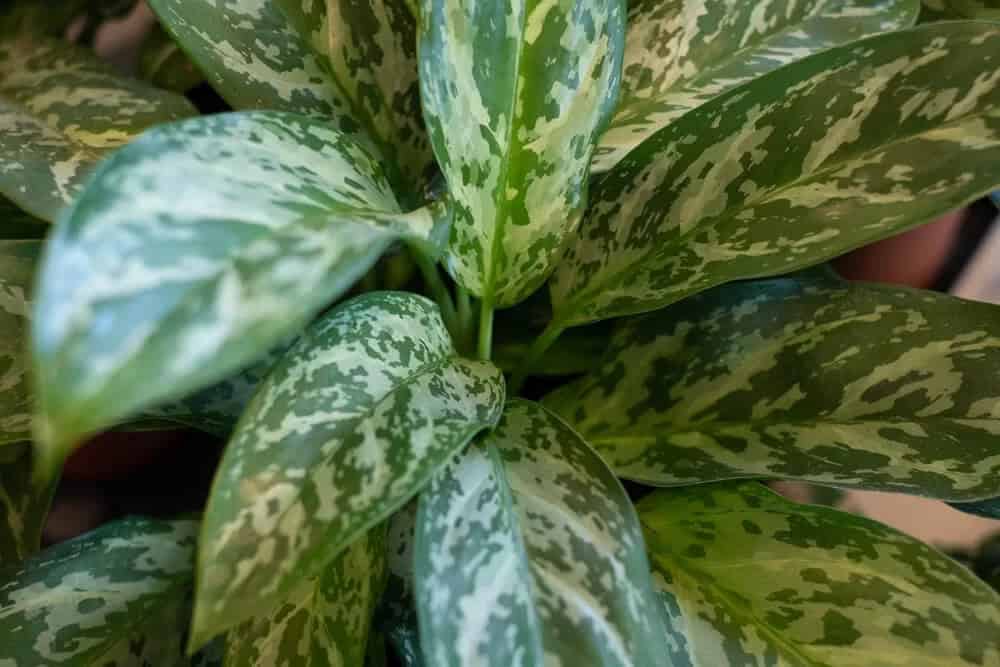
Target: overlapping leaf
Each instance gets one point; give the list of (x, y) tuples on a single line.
[(817, 157), (514, 95), (17, 271), (350, 425), (325, 621), (528, 552), (748, 578), (193, 251), (23, 507), (62, 110), (681, 53), (804, 378), (397, 613), (370, 52), (165, 65), (116, 596)]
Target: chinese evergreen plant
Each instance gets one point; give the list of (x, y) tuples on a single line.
[(424, 214)]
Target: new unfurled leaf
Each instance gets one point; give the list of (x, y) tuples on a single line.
[(528, 552), (193, 251), (325, 621), (17, 271), (748, 578), (349, 426), (23, 507), (62, 110), (681, 53), (813, 159), (116, 596), (369, 50), (807, 378), (515, 95)]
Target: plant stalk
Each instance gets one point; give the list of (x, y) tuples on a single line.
[(436, 287), (485, 330), (538, 348)]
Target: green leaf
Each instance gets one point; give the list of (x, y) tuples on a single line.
[(679, 53), (529, 552), (397, 613), (813, 159), (16, 225), (348, 427), (116, 596), (165, 65), (943, 10), (23, 507), (369, 50), (17, 271), (748, 578), (193, 251), (62, 110), (322, 623), (850, 385), (989, 508), (515, 95)]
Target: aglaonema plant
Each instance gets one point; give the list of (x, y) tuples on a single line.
[(641, 198)]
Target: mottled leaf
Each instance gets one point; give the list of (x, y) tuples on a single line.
[(114, 597), (62, 110), (193, 251), (528, 552), (988, 508), (17, 270), (807, 378), (681, 53), (370, 52), (324, 622), (23, 507), (750, 579), (515, 95), (813, 159), (348, 427)]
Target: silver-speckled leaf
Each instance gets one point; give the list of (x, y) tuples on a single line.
[(681, 53), (370, 51), (357, 417), (62, 110), (193, 251), (17, 271), (23, 507), (528, 552), (807, 378), (325, 621), (815, 158), (749, 579), (114, 597), (515, 94)]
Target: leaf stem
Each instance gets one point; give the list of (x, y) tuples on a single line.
[(438, 290), (485, 329), (538, 348)]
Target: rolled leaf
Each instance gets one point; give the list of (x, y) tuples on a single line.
[(681, 53), (325, 621), (116, 596), (514, 137), (800, 165), (348, 426), (23, 507), (748, 578), (528, 552), (195, 250), (62, 110), (850, 385)]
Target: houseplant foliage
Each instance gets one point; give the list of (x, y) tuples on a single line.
[(660, 183)]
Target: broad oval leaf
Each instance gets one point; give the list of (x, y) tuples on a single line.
[(747, 578), (515, 95), (724, 194), (349, 426), (62, 110), (681, 53), (116, 596), (193, 251), (850, 385), (529, 552), (18, 260), (23, 507), (325, 621)]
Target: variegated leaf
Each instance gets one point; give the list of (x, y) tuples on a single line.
[(23, 507), (807, 378), (528, 552), (988, 508), (17, 272), (370, 52), (193, 251), (348, 427), (749, 579), (815, 158), (62, 110), (324, 622), (515, 95), (681, 53), (114, 597)]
